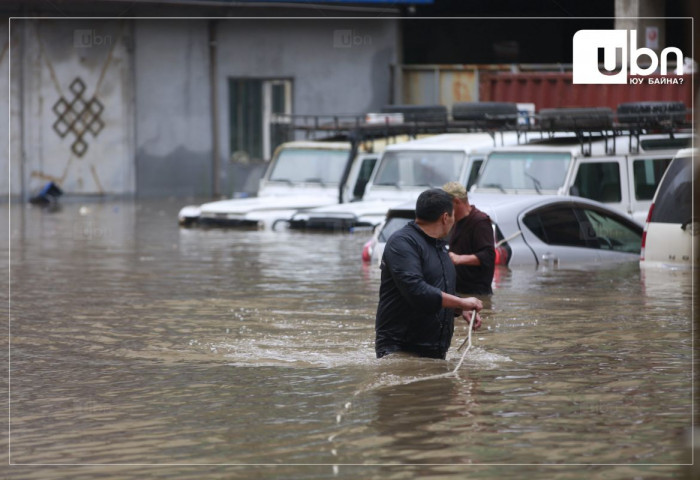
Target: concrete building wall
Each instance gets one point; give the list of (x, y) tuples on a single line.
[(6, 177), (78, 71), (336, 66), (173, 108), (152, 81)]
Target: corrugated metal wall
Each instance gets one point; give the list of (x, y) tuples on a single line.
[(549, 90), (449, 84)]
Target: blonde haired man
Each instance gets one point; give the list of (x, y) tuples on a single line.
[(471, 244)]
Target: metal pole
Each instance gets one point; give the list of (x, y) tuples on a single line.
[(213, 70)]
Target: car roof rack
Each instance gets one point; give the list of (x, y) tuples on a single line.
[(496, 118), (587, 124)]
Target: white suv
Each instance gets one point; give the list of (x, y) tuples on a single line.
[(671, 231)]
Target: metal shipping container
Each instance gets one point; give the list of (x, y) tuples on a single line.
[(551, 90)]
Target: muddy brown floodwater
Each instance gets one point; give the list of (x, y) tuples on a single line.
[(142, 350)]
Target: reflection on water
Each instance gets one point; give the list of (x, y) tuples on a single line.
[(135, 342)]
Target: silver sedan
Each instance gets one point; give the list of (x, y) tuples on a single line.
[(538, 230)]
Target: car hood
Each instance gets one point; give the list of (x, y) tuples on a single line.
[(362, 213), (243, 206), (356, 209)]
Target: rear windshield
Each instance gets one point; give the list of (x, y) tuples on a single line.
[(299, 165), (538, 171), (675, 195), (419, 169)]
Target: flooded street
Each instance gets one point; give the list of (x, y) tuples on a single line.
[(168, 352)]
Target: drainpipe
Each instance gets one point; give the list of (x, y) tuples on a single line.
[(22, 108), (211, 27)]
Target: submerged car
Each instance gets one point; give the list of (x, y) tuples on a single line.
[(619, 170), (671, 231), (539, 230), (403, 172), (301, 175)]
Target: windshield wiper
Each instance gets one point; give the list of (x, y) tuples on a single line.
[(315, 180), (495, 185), (283, 180), (537, 183)]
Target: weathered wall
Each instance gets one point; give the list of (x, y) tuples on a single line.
[(153, 83), (4, 100), (337, 66), (173, 108), (66, 60)]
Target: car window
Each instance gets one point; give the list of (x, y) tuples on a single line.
[(366, 169), (525, 171), (309, 165), (673, 202), (419, 169), (391, 226), (598, 181), (557, 225), (647, 174), (611, 233)]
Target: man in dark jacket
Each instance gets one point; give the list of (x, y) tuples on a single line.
[(471, 244), (416, 295)]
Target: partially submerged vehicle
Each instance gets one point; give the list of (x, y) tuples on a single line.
[(672, 233), (316, 172), (301, 175), (403, 172), (588, 152), (538, 230), (617, 163)]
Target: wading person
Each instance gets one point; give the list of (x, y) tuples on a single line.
[(416, 297), (471, 244)]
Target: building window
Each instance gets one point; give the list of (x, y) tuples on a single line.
[(257, 121)]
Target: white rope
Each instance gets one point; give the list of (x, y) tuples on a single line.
[(453, 373), (468, 342)]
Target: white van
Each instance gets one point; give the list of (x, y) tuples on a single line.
[(672, 234), (403, 172), (619, 171)]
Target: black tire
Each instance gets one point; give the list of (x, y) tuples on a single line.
[(593, 118), (419, 113), (494, 113), (651, 114)]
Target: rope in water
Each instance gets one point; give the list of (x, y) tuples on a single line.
[(453, 373)]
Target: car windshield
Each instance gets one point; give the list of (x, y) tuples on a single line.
[(309, 165), (419, 169), (538, 171), (391, 226)]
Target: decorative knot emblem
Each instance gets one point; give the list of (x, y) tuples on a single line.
[(78, 116)]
